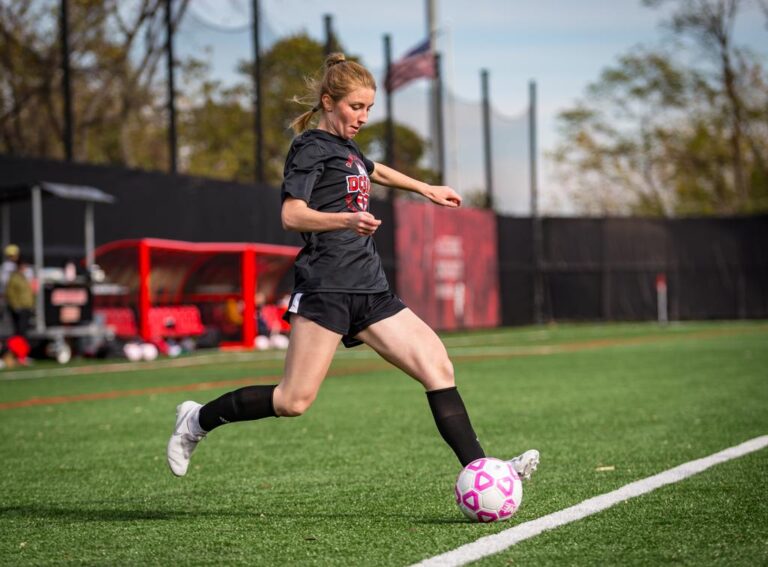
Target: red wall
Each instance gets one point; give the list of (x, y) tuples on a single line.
[(447, 269)]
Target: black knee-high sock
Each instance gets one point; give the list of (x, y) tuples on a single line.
[(245, 404), (454, 425)]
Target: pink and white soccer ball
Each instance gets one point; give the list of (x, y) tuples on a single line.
[(488, 490)]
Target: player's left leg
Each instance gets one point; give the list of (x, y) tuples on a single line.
[(309, 355)]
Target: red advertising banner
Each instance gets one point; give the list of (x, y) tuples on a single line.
[(447, 267)]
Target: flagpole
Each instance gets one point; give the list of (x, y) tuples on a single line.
[(452, 170), (433, 88), (258, 131), (328, 20), (66, 83), (171, 103), (439, 137), (536, 223), (487, 148), (389, 130)]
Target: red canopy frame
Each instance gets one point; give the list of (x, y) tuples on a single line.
[(173, 266)]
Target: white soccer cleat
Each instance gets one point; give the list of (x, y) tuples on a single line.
[(525, 464), (184, 438)]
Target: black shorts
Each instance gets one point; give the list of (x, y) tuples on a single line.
[(345, 313)]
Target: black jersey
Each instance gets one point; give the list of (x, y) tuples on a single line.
[(331, 175)]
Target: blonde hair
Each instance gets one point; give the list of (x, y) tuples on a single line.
[(340, 77)]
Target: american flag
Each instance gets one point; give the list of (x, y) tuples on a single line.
[(417, 63)]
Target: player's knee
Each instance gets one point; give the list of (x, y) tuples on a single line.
[(445, 373), (439, 375), (294, 407)]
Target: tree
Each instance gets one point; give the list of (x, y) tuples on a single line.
[(120, 118), (218, 137), (115, 56), (659, 137), (711, 23), (216, 134), (285, 68)]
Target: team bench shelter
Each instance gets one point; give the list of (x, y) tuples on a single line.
[(160, 289)]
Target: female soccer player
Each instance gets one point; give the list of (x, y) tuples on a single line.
[(341, 292)]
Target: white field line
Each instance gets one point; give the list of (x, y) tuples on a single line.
[(496, 543)]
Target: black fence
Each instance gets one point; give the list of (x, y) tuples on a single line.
[(157, 205), (590, 269), (148, 204), (607, 269)]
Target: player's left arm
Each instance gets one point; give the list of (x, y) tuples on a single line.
[(440, 194)]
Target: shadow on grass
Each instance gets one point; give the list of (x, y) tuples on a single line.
[(112, 515), (90, 514)]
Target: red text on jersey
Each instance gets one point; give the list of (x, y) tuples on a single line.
[(358, 189)]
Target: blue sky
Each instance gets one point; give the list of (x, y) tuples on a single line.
[(561, 44)]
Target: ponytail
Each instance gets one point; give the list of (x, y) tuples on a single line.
[(301, 122)]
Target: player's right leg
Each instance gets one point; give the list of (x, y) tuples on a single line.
[(410, 344), (308, 358)]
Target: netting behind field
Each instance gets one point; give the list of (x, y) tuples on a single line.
[(120, 107), (464, 152), (221, 34)]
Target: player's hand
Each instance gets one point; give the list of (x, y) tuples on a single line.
[(364, 224), (443, 195)]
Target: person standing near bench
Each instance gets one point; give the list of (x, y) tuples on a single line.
[(20, 298)]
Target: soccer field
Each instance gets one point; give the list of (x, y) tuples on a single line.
[(364, 478)]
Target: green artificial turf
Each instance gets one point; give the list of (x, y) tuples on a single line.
[(364, 479)]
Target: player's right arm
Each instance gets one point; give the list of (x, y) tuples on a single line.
[(296, 215)]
